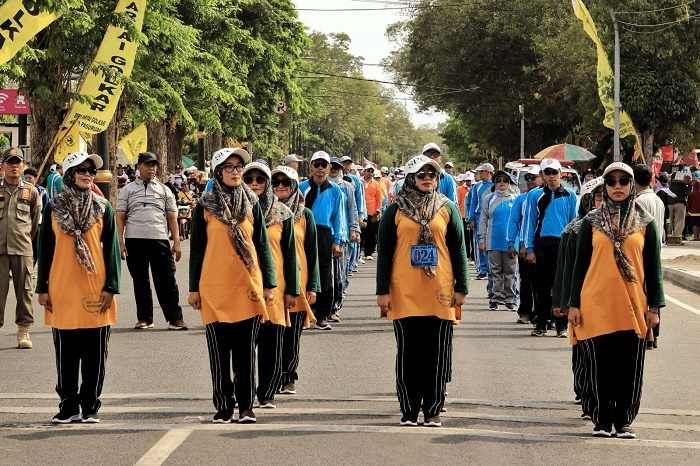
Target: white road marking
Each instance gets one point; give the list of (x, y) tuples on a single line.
[(685, 306), (165, 447)]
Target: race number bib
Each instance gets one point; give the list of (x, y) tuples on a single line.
[(424, 255)]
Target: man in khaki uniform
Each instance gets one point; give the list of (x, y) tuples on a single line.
[(20, 209)]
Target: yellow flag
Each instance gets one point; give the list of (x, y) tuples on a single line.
[(68, 142), (605, 79), (134, 143), (118, 53), (19, 22)]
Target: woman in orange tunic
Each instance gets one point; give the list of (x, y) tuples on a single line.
[(421, 286), (616, 293), (285, 184), (280, 229), (232, 275), (79, 268)]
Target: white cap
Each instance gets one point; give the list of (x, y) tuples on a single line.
[(293, 158), (419, 161), (257, 166), (485, 167), (377, 174), (534, 170), (619, 166), (449, 164), (590, 185), (461, 177), (550, 163), (222, 154), (385, 169), (321, 155), (469, 176), (289, 172), (345, 158), (431, 146), (76, 158)]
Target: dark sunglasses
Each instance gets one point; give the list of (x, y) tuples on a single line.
[(530, 177), (429, 175), (550, 171), (502, 180), (622, 181), (319, 164), (260, 179), (285, 182), (86, 171)]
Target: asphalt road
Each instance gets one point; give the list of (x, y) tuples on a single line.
[(509, 402)]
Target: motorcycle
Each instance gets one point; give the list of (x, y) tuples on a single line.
[(184, 220)]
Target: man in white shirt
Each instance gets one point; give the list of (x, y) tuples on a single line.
[(647, 198)]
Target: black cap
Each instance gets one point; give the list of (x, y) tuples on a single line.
[(336, 161), (147, 157)]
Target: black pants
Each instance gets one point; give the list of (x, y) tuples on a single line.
[(615, 369), (85, 351), (468, 239), (270, 341), (423, 361), (290, 348), (232, 344), (527, 288), (324, 300), (546, 251), (370, 235), (155, 253)]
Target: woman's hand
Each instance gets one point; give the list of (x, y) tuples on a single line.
[(195, 300), (652, 317), (311, 297), (106, 301), (45, 300), (384, 303), (268, 296), (575, 316), (459, 299), (289, 301)]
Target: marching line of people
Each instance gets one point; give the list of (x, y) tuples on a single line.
[(272, 254)]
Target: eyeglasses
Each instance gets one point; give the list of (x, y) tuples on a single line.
[(259, 179), (429, 175), (284, 182), (319, 164), (432, 154), (86, 171), (622, 181), (231, 169), (551, 172), (501, 180), (530, 177)]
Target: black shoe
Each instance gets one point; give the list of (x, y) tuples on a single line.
[(409, 421), (434, 421), (247, 417), (625, 432), (66, 417), (493, 306), (323, 325), (222, 417), (602, 431), (510, 307), (90, 418)]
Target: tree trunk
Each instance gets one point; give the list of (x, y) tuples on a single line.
[(46, 119), (216, 141), (648, 144), (158, 141), (176, 136)]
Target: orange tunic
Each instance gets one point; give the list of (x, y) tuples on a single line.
[(412, 292), (276, 310), (302, 304), (609, 303), (75, 294), (229, 293)]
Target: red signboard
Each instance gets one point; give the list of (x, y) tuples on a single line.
[(13, 102)]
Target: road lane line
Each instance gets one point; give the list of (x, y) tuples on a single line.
[(165, 447), (683, 305)]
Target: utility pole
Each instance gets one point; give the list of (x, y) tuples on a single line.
[(616, 142), (521, 108)]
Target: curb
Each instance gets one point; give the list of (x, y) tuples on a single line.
[(684, 280)]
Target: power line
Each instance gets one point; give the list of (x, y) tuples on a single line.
[(330, 75), (330, 60), (642, 12), (678, 21)]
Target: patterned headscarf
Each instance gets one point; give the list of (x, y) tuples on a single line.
[(273, 209), (420, 207), (295, 201), (231, 206), (77, 210), (618, 220)]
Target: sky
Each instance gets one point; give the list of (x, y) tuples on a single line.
[(367, 32)]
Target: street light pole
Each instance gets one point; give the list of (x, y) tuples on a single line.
[(521, 108), (616, 142)]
